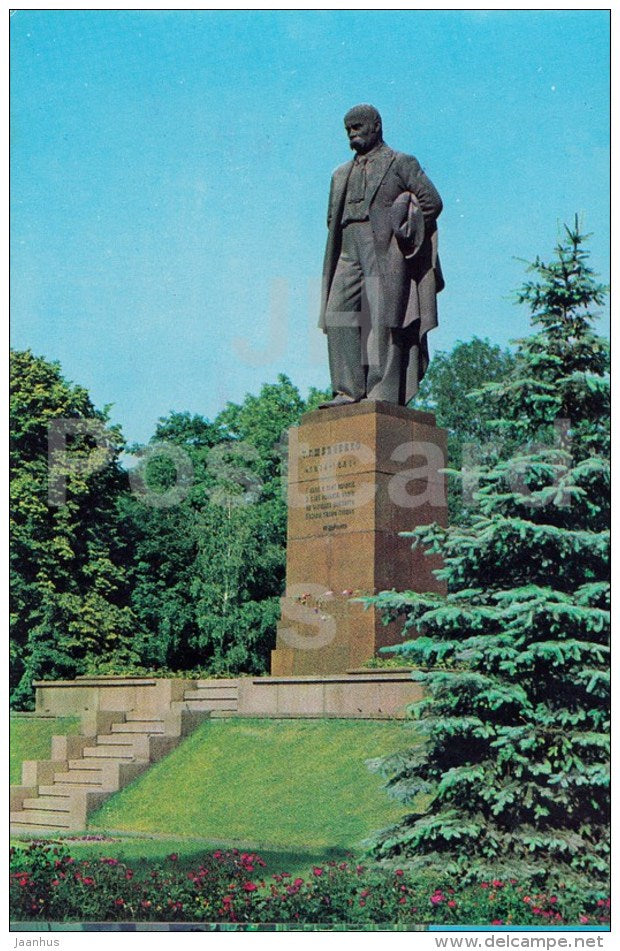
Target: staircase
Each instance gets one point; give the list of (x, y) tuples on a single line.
[(112, 750), (218, 697)]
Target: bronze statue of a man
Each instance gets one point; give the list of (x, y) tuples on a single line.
[(381, 274)]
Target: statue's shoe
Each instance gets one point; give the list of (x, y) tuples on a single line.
[(339, 400)]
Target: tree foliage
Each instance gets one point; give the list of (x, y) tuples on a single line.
[(68, 583), (447, 390), (514, 773), (208, 572)]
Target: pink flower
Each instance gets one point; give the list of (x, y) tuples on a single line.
[(249, 886), (317, 871), (173, 857), (298, 882), (452, 903), (583, 919), (399, 872), (437, 898), (88, 881), (497, 921), (497, 883)]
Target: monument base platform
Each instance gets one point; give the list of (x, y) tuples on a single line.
[(363, 693)]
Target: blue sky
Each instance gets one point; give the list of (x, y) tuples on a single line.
[(170, 173)]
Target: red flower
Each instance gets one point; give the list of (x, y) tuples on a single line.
[(497, 883), (399, 872), (497, 921), (88, 881), (119, 901), (298, 882), (249, 886), (317, 871), (173, 857), (452, 903)]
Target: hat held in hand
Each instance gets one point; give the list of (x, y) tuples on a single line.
[(407, 223)]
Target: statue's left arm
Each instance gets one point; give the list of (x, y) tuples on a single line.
[(416, 181)]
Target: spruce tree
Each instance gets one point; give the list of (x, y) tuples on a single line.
[(513, 777)]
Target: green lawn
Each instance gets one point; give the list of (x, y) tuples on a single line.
[(31, 738), (289, 787)]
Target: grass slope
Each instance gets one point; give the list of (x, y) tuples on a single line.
[(31, 738), (284, 784)]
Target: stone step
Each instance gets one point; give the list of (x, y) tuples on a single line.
[(53, 803), (132, 717), (100, 762), (116, 739), (66, 789), (213, 697), (91, 777), (34, 817), (217, 684), (230, 705), (82, 764), (139, 726), (108, 751)]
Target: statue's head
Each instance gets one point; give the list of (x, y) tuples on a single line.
[(363, 125)]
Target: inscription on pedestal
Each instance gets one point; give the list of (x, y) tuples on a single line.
[(329, 507), (327, 459)]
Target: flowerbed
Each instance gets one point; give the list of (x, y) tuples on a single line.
[(48, 883)]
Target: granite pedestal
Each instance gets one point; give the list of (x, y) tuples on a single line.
[(358, 475)]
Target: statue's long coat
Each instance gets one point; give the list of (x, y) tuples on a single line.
[(409, 286)]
